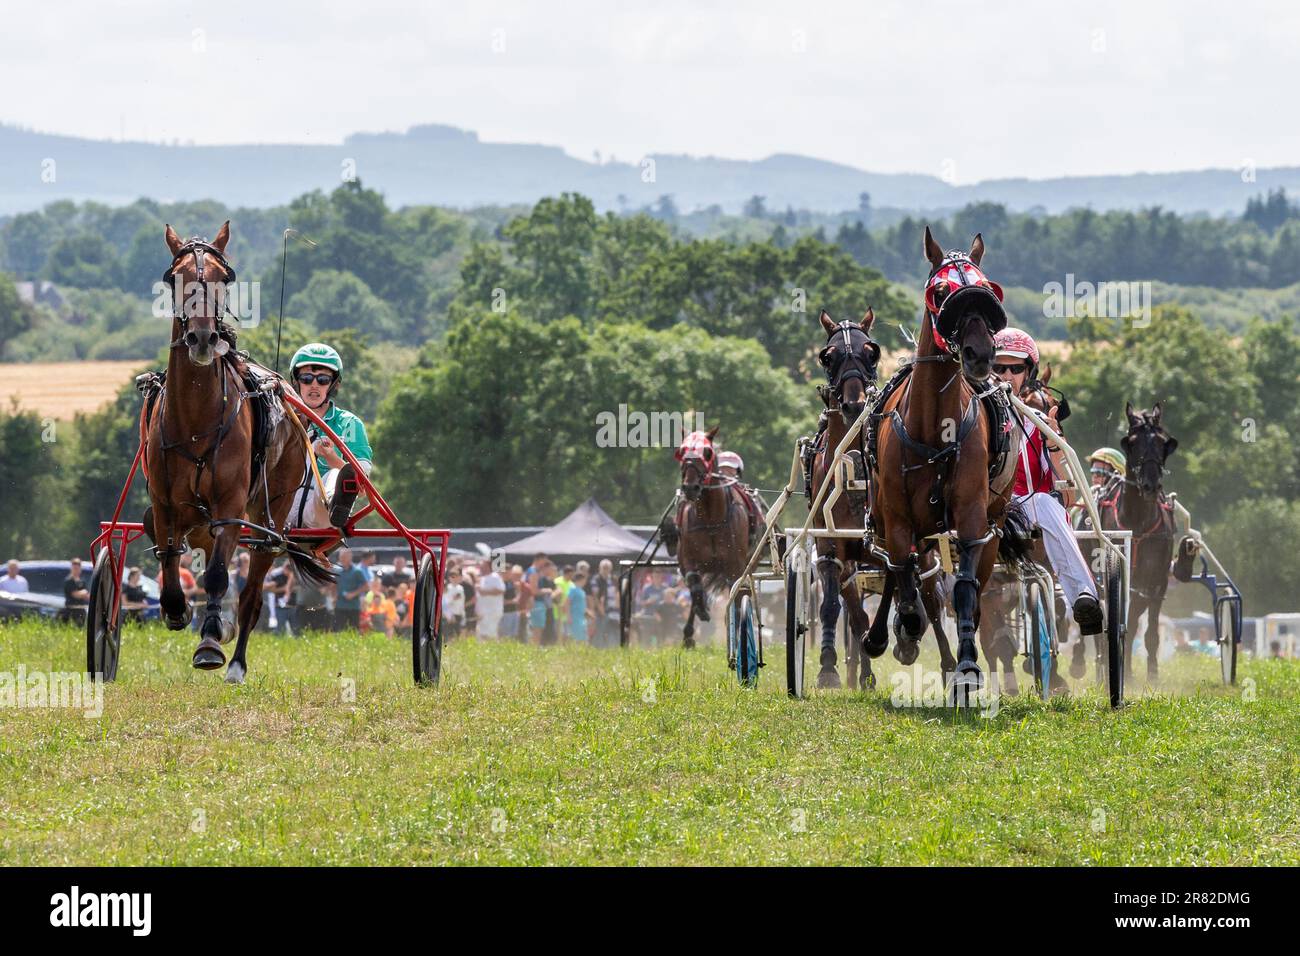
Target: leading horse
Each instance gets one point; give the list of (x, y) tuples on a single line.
[(207, 468), (934, 451)]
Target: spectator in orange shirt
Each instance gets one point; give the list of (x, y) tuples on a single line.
[(377, 609)]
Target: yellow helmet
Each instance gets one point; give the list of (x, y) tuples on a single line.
[(1112, 457)]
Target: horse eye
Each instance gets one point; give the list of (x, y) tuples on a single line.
[(708, 453)]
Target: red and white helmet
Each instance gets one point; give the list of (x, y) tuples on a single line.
[(730, 458), (1019, 343)]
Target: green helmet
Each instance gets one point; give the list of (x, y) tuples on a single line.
[(317, 353), (1112, 457)]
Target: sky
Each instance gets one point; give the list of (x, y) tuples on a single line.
[(966, 91)]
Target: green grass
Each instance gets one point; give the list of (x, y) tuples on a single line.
[(532, 755)]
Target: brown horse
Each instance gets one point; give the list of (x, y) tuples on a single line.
[(205, 471), (850, 359), (934, 451), (1139, 504), (716, 525)]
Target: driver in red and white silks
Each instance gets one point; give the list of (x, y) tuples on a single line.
[(1016, 361)]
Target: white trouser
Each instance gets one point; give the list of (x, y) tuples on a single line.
[(308, 510), (1062, 547), (488, 624)]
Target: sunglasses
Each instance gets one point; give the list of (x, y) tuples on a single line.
[(320, 378), (1013, 369)]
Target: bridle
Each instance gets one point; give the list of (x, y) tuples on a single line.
[(1151, 431), (847, 363), (200, 249), (956, 274)]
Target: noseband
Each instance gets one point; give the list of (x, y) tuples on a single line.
[(200, 249)]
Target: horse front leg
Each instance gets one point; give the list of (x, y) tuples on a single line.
[(216, 580), (1153, 638), (250, 609), (173, 604), (859, 626), (828, 570)]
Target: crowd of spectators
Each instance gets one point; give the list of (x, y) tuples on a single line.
[(543, 603)]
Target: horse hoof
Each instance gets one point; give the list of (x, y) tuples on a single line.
[(1078, 667), (906, 651), (180, 623), (208, 657), (867, 681), (1153, 674), (965, 685), (235, 673), (828, 678), (688, 642), (227, 631)]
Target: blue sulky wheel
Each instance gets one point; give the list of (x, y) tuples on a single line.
[(742, 639), (103, 624), (426, 635), (1041, 661)]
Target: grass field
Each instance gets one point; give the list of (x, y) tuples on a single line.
[(573, 755)]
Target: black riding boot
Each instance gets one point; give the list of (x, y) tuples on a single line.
[(345, 496)]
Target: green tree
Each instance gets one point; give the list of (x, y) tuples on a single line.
[(336, 300), (28, 476), (84, 262)]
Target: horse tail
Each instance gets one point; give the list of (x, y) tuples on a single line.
[(1017, 535), (306, 566)]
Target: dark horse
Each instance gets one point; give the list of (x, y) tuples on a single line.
[(205, 467), (934, 452), (716, 525), (1139, 504), (849, 359)]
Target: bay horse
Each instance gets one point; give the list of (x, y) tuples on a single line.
[(1139, 505), (717, 524), (850, 360), (934, 453), (206, 469)]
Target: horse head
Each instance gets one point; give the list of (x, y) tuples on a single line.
[(849, 359), (198, 275), (1147, 447), (698, 459), (965, 307)]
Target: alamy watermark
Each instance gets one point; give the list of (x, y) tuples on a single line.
[(37, 690), (625, 429), (1107, 300), (241, 299)]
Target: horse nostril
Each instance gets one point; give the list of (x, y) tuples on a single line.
[(212, 338), (191, 338)]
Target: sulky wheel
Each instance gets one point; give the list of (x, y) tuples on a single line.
[(1114, 630), (745, 631), (1040, 640), (1228, 625), (103, 620), (798, 618), (426, 635)]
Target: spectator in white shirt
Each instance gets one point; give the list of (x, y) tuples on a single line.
[(13, 582), (491, 601)]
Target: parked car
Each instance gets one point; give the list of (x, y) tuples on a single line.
[(45, 581)]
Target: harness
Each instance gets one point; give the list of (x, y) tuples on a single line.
[(200, 249), (153, 387)]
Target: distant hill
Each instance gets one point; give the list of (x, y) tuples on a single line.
[(445, 166)]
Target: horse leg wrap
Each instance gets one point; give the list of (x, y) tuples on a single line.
[(965, 597), (829, 568), (695, 582), (909, 599)]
